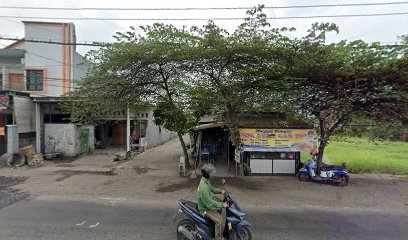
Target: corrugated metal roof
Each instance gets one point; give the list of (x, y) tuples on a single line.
[(209, 125), (12, 53)]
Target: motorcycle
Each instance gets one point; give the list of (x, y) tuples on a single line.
[(328, 174), (192, 225)]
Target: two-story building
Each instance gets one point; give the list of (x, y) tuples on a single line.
[(33, 77), (35, 72)]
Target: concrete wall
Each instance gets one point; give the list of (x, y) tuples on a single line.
[(62, 138), (51, 57), (66, 138), (155, 134), (81, 67), (25, 114)]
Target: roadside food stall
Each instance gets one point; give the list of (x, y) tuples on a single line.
[(275, 151)]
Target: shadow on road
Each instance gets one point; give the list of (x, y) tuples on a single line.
[(241, 182)]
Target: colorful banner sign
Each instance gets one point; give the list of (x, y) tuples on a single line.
[(278, 139)]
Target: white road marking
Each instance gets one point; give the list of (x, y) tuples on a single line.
[(112, 198), (82, 223), (92, 226)]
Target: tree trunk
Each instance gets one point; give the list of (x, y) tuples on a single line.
[(183, 145), (232, 123), (174, 112), (322, 144)]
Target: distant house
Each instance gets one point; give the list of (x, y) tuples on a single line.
[(34, 76), (143, 131)]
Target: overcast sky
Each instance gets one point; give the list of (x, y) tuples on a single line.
[(383, 29)]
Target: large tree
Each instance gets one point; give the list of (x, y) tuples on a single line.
[(141, 68), (332, 82), (236, 66)]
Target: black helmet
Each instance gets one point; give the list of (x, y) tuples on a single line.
[(206, 169)]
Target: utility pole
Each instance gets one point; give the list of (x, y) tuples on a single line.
[(127, 130)]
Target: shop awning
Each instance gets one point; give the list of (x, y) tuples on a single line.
[(209, 125), (266, 149)]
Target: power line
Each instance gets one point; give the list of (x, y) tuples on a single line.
[(47, 58), (202, 8), (51, 41), (46, 30), (40, 56), (94, 44), (205, 19)]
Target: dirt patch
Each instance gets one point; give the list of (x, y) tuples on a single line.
[(166, 188), (60, 160), (99, 153), (238, 182), (69, 173), (65, 165), (107, 166), (108, 183), (374, 181), (143, 170)]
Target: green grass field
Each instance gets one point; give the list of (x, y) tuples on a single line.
[(365, 156)]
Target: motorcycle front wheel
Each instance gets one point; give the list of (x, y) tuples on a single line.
[(244, 233)]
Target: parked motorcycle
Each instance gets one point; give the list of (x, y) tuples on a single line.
[(333, 175), (192, 225)]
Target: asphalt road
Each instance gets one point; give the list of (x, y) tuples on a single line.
[(36, 218)]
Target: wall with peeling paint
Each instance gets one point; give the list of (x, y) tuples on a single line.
[(62, 138)]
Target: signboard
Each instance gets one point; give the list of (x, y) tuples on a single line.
[(2, 131), (278, 139)]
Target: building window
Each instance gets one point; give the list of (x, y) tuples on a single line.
[(35, 80)]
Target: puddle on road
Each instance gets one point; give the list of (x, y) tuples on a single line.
[(238, 182), (69, 173), (6, 182), (9, 196), (143, 170)]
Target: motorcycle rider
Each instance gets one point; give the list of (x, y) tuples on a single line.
[(314, 154), (210, 205), (312, 164)]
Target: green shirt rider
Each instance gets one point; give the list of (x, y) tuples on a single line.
[(210, 205)]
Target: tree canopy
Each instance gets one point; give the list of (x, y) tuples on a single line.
[(185, 73)]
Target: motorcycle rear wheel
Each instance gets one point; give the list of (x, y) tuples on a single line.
[(244, 233), (188, 224)]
